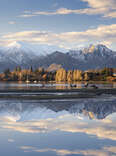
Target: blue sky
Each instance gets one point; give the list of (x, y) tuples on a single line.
[(65, 23)]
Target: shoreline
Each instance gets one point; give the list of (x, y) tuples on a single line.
[(90, 90), (49, 94), (46, 97)]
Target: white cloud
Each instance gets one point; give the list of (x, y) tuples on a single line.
[(102, 34), (11, 140), (105, 151), (12, 22), (105, 129), (27, 148), (111, 14), (107, 8)]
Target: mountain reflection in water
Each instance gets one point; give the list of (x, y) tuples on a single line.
[(93, 108), (58, 127)]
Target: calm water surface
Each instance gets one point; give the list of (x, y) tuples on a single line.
[(23, 85), (82, 127)]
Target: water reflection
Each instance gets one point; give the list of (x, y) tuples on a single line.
[(106, 151), (95, 108), (59, 127), (54, 85)]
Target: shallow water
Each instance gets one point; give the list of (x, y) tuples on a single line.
[(58, 127), (43, 85)]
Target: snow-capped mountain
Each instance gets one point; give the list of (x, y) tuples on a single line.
[(37, 49), (92, 51), (26, 55), (95, 56), (16, 54), (23, 54)]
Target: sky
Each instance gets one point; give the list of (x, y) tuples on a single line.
[(68, 24)]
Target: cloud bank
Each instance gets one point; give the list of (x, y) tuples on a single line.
[(106, 8), (103, 34), (64, 123), (105, 151)]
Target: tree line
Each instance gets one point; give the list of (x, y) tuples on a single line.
[(19, 74), (61, 75)]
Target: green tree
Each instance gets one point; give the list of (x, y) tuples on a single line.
[(7, 73)]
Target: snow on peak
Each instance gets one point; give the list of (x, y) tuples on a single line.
[(14, 44), (98, 50), (37, 49)]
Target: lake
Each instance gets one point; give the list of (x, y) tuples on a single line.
[(75, 127), (49, 85)]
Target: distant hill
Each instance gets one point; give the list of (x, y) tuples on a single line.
[(54, 67)]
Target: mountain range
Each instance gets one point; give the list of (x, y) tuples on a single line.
[(26, 55), (93, 108)]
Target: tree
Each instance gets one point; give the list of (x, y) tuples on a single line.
[(31, 69), (61, 75), (7, 73), (107, 72), (19, 69)]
